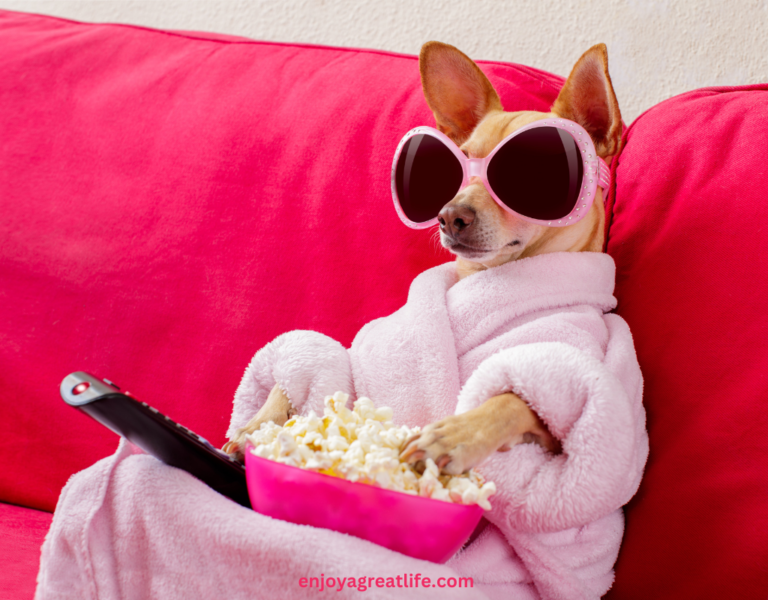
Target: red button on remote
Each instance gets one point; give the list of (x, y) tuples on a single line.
[(80, 388)]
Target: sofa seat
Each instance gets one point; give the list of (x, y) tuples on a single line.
[(22, 531)]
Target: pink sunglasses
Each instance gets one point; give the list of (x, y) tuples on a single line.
[(546, 173)]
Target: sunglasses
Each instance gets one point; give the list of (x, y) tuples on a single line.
[(546, 173)]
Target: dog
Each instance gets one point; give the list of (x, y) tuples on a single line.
[(482, 235)]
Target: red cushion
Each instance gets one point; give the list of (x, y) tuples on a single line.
[(22, 531), (171, 203), (690, 238)]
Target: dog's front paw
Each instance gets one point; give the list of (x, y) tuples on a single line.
[(277, 409), (236, 446), (460, 442), (231, 447), (451, 443)]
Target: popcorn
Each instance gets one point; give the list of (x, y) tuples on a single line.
[(363, 445)]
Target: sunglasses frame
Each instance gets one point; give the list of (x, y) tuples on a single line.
[(596, 171)]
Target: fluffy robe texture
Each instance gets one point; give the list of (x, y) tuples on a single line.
[(131, 528), (539, 327)]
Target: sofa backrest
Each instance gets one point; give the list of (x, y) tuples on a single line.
[(689, 233), (172, 202)]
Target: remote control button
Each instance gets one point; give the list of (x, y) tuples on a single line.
[(80, 388)]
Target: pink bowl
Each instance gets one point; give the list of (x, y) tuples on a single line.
[(419, 527)]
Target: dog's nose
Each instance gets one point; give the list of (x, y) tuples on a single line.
[(455, 219)]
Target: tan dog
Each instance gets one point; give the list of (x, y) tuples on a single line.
[(483, 235)]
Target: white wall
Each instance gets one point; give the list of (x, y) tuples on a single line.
[(656, 48)]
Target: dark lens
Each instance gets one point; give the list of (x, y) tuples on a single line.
[(428, 176), (538, 173)]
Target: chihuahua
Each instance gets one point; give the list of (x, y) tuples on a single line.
[(483, 235)]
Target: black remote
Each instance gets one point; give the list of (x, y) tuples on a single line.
[(156, 434)]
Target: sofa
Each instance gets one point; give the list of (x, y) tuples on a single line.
[(172, 201)]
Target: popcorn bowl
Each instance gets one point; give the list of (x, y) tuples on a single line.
[(423, 528)]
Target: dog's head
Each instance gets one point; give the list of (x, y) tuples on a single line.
[(468, 110)]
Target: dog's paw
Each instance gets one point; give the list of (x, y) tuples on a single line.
[(277, 409), (450, 443), (231, 447), (236, 446), (460, 442)]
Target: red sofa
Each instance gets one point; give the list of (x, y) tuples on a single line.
[(170, 202)]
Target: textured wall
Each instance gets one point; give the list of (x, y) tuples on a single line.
[(657, 48)]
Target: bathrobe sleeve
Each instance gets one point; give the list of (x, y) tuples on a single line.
[(592, 402), (307, 365)]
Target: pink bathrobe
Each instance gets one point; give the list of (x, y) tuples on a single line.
[(131, 527)]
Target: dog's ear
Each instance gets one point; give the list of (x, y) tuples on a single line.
[(457, 91), (588, 99)]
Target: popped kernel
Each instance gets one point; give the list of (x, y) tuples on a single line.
[(363, 445)]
